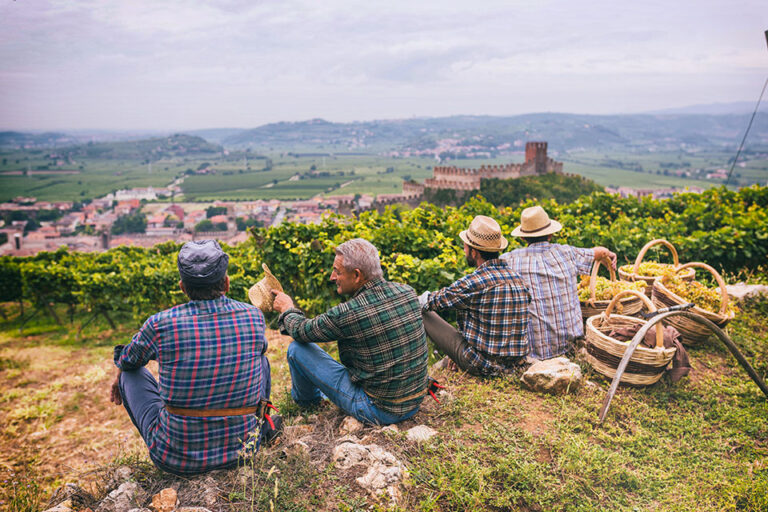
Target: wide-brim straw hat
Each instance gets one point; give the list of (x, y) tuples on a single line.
[(260, 294), (484, 234), (534, 222)]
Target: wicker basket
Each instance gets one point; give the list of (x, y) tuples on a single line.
[(634, 276), (693, 332), (604, 353), (630, 305)]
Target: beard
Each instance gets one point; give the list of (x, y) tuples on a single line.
[(471, 261)]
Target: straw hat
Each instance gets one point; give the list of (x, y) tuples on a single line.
[(534, 221), (261, 293), (484, 234)]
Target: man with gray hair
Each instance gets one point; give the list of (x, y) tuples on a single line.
[(382, 377)]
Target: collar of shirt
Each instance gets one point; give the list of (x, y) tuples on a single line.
[(208, 305), (367, 286)]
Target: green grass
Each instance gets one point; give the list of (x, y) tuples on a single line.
[(698, 445)]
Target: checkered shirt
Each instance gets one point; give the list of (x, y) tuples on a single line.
[(491, 307), (551, 273), (211, 356), (381, 341)]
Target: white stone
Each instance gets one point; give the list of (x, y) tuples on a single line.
[(421, 433), (64, 506), (349, 426), (122, 499), (390, 428), (347, 455), (557, 375), (741, 291)]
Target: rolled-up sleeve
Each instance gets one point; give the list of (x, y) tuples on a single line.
[(141, 349)]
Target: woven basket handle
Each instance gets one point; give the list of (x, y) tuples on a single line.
[(648, 304), (593, 277), (672, 250), (718, 278)]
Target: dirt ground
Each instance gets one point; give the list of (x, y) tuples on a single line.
[(57, 421)]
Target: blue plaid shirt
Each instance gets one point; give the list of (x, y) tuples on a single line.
[(492, 312), (551, 273), (211, 356)]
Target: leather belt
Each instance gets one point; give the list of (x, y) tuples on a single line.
[(239, 411)]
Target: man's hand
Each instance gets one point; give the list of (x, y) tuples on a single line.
[(282, 301), (423, 298), (114, 393), (603, 253)]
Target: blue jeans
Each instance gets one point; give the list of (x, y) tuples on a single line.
[(314, 373)]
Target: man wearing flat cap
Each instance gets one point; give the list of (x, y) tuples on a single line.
[(551, 272), (213, 371), (491, 306)]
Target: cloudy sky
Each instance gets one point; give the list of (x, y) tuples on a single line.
[(155, 64)]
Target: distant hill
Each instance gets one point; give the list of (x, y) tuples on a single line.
[(737, 107), (146, 149), (496, 134), (19, 140)]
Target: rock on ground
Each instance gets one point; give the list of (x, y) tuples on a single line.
[(383, 470), (741, 291), (122, 499), (558, 375), (349, 426), (165, 501), (420, 433)]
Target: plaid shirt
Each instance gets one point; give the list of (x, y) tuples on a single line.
[(211, 356), (551, 271), (491, 307), (381, 342)]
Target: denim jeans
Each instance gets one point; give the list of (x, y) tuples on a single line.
[(314, 373)]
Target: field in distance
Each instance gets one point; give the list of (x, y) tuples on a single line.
[(242, 176)]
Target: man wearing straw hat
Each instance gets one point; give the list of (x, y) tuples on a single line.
[(213, 371), (551, 271), (382, 377), (491, 306)]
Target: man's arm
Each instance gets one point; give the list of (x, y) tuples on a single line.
[(453, 296), (136, 354), (322, 328)]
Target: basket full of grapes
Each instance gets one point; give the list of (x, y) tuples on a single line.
[(648, 271), (711, 303), (596, 292)]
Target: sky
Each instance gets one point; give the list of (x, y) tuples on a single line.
[(175, 65)]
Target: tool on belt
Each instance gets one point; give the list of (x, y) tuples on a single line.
[(433, 388)]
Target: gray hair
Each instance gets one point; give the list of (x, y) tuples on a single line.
[(363, 255)]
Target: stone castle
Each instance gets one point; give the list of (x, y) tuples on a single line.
[(463, 180)]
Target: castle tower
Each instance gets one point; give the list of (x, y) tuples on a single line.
[(537, 152)]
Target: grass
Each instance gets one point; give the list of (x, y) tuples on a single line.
[(699, 445)]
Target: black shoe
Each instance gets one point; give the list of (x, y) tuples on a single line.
[(269, 434)]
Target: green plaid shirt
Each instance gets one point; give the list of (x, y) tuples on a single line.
[(381, 341)]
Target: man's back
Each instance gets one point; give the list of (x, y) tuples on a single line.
[(551, 271), (381, 342), (211, 356)]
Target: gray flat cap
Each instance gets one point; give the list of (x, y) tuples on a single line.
[(202, 262)]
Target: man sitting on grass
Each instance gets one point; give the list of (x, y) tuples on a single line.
[(382, 377), (491, 306), (551, 273), (213, 371)]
